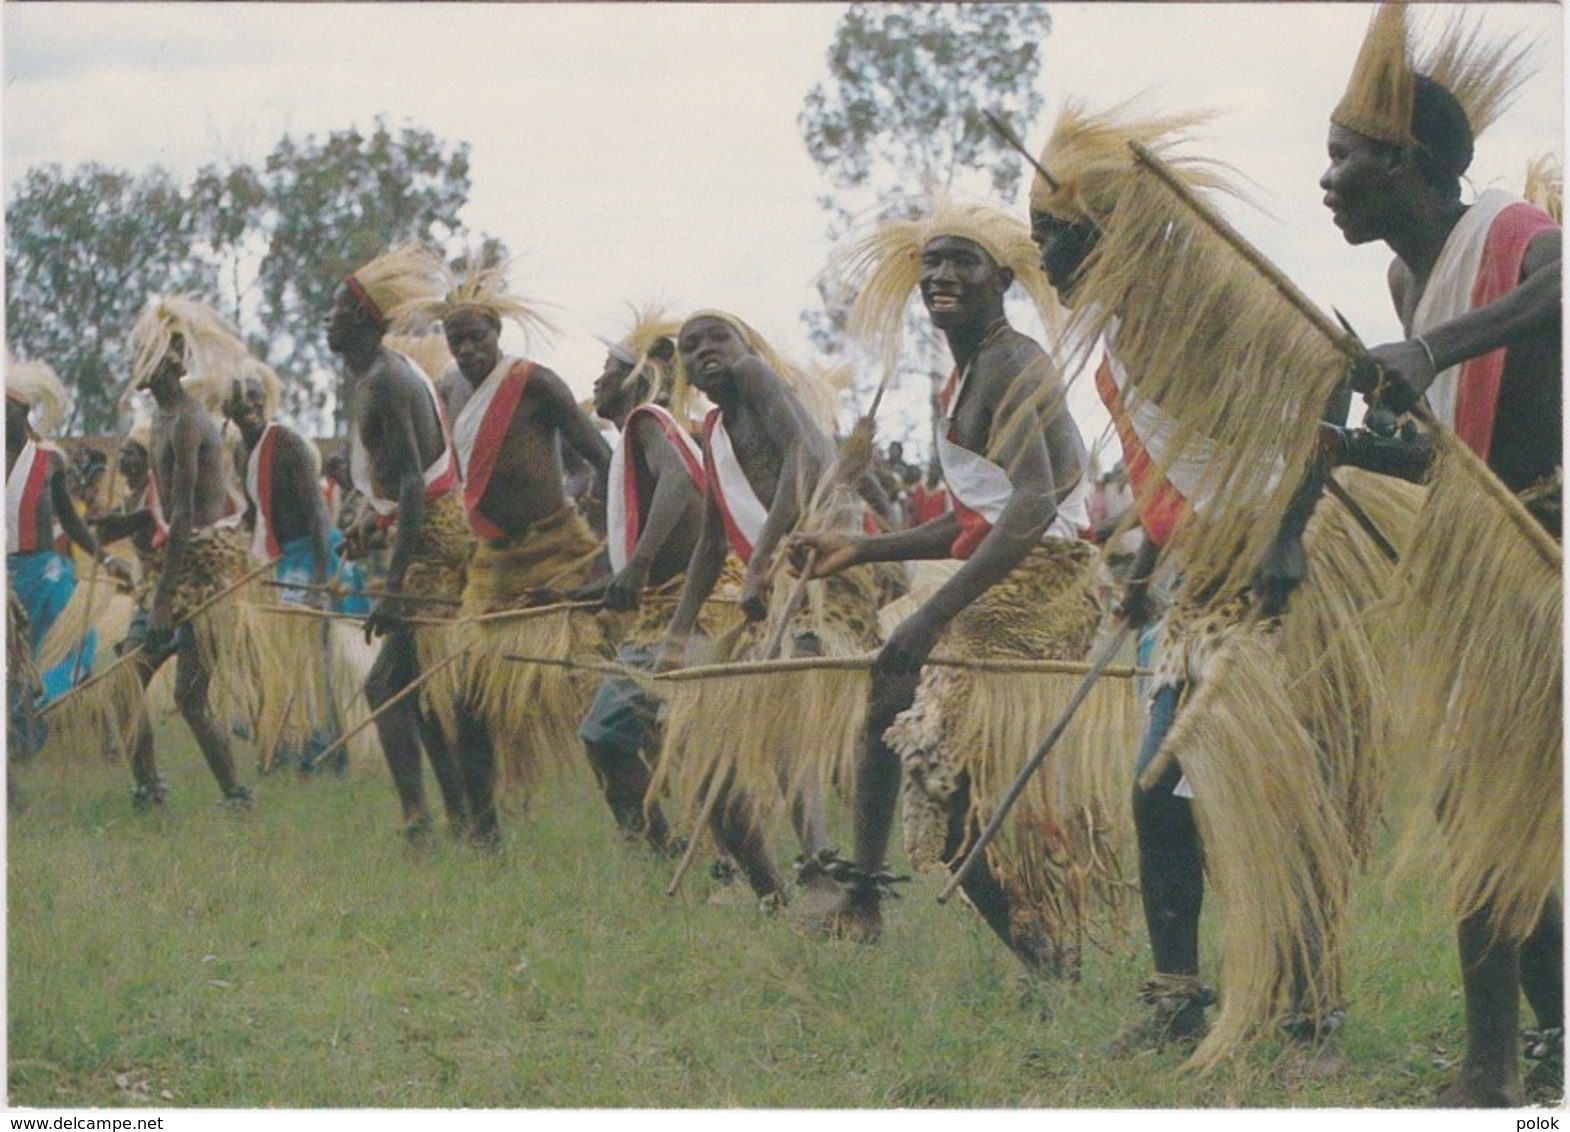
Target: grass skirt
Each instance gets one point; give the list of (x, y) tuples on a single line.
[(1059, 855)]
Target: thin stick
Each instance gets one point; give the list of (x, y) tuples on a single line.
[(1019, 147), (332, 587), (709, 800), (1362, 518), (638, 674), (864, 662), (283, 722), (1034, 763), (1351, 347), (397, 698), (1277, 278), (132, 653)]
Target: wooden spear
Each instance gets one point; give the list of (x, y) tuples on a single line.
[(1033, 764), (131, 653), (398, 697)]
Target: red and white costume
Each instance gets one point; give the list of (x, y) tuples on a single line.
[(479, 431), (624, 516), (744, 513), (1480, 262), (979, 489), (441, 476), (1163, 487), (24, 490)]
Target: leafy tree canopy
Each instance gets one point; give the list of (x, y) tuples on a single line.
[(268, 245)]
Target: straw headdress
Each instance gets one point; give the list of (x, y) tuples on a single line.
[(1090, 161), (428, 351), (212, 350), (37, 384), (651, 325), (1380, 96), (398, 286), (885, 265), (1545, 185), (484, 289)]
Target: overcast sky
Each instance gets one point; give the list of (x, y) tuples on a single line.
[(631, 152)]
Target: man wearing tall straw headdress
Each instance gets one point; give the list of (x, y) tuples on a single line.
[(1478, 290), (184, 353), (765, 463), (1014, 463), (279, 469), (507, 716), (1260, 651), (654, 508), (401, 460), (38, 505)]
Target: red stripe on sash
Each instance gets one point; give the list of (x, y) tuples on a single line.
[(487, 446)]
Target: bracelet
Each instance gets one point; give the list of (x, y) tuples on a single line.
[(1433, 366)]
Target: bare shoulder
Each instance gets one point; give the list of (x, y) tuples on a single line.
[(1013, 362), (1543, 253)]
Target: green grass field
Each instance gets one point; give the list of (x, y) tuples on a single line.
[(302, 956)]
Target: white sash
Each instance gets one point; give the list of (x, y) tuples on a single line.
[(1448, 293), (360, 459), (747, 511)]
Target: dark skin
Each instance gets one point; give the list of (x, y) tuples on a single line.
[(672, 510), (1007, 374), (132, 520), (525, 488), (668, 500), (527, 484), (298, 509), (1379, 192), (782, 454), (56, 502), (187, 467), (391, 408)]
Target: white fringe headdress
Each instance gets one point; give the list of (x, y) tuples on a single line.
[(1090, 162), (885, 266), (1483, 76), (1545, 185), (429, 351), (652, 325), (37, 384), (483, 289), (398, 286), (212, 349)]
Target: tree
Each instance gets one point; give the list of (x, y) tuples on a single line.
[(329, 207), (83, 252), (902, 114), (267, 246)]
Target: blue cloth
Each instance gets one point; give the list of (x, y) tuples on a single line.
[(1163, 713), (622, 715), (297, 567), (44, 582)]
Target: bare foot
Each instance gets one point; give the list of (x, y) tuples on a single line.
[(838, 914), (1472, 1089)]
